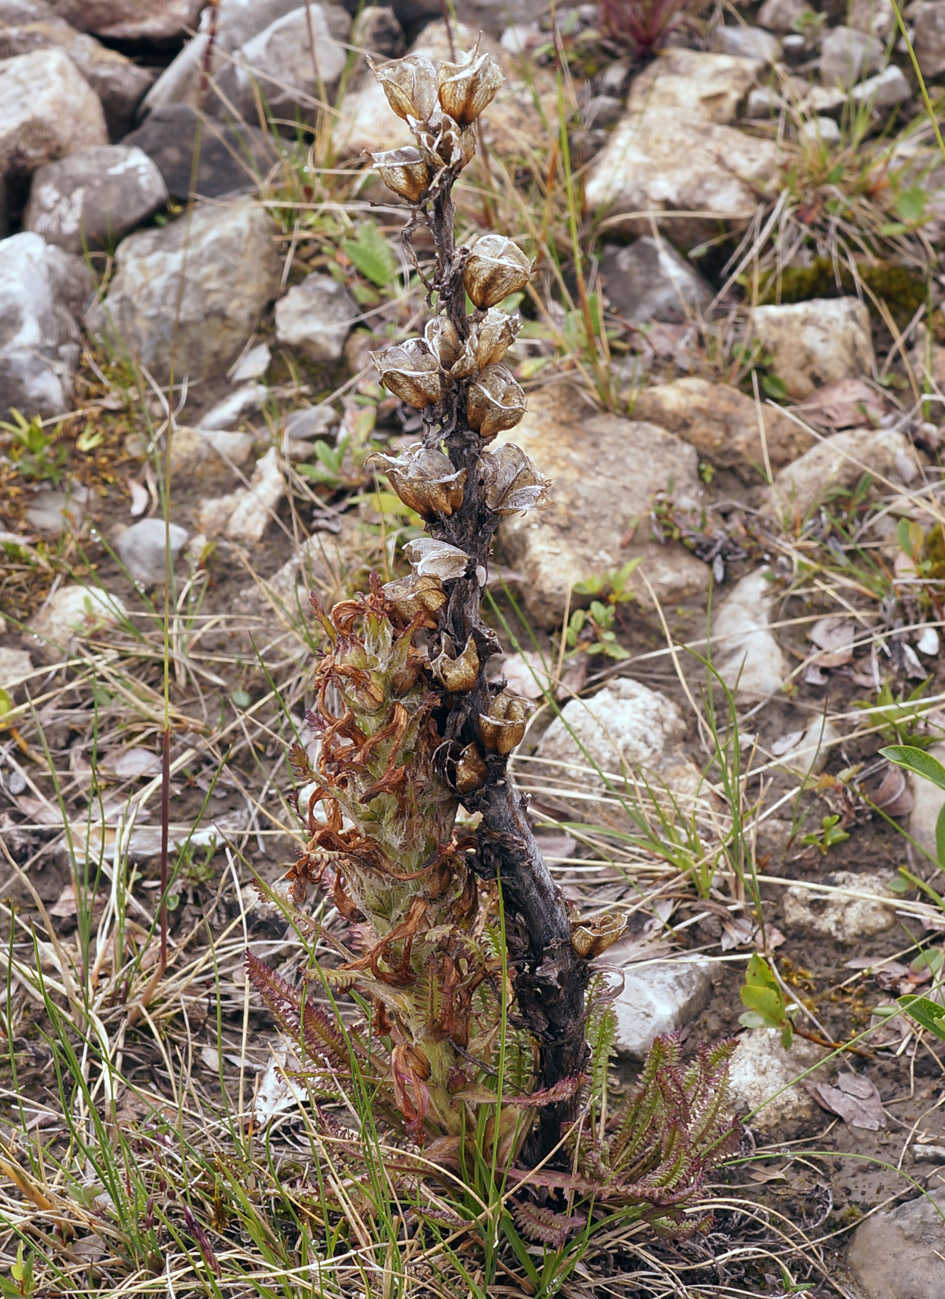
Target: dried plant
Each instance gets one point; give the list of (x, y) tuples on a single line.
[(410, 727), (640, 25)]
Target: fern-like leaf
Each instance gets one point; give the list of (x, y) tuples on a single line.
[(540, 1223), (306, 1024)]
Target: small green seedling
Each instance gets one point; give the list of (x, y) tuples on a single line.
[(36, 451), (764, 1001), (591, 630), (827, 837)]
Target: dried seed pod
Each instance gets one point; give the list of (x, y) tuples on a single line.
[(504, 725), (445, 144), (495, 268), (494, 402), (409, 84), (410, 372), (456, 671), (468, 86), (591, 938), (413, 595), (443, 340), (404, 171), (511, 483), (439, 558), (425, 480), (495, 334), (470, 771)]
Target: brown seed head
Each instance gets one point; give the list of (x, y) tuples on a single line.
[(424, 479), (495, 268), (494, 402), (504, 725), (404, 171), (468, 86), (409, 84), (456, 671), (410, 372)]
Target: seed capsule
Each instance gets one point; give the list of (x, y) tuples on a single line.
[(425, 480), (409, 84), (495, 334), (504, 725), (404, 171), (413, 595), (456, 671), (410, 372), (495, 268), (495, 402), (470, 772), (442, 340), (468, 86), (591, 938), (511, 483), (445, 143)]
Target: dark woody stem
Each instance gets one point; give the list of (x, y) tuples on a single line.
[(550, 977)]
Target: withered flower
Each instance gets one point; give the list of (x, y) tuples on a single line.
[(495, 268), (443, 340), (413, 595), (445, 144), (504, 725), (495, 402), (456, 671), (470, 771), (468, 86), (403, 171), (410, 372), (425, 480), (511, 483), (439, 558), (591, 938), (409, 84), (495, 334)]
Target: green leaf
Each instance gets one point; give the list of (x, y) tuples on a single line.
[(241, 698), (6, 703), (930, 1014), (766, 1002), (371, 254), (940, 838), (910, 205), (894, 228), (898, 885), (774, 387), (917, 761)]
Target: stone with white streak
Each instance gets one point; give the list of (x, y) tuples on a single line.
[(746, 654), (648, 280), (47, 109), (766, 1078), (605, 471), (660, 998), (42, 291), (841, 461), (810, 344), (244, 515), (189, 295), (94, 196), (843, 916), (315, 318), (746, 42)]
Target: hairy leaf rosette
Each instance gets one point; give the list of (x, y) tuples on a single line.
[(468, 86), (495, 402), (495, 268)]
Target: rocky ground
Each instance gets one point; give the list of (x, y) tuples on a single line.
[(734, 354)]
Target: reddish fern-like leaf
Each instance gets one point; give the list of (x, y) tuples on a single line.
[(540, 1223)]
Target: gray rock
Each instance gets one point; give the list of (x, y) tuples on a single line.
[(875, 16), (16, 666), (253, 365), (47, 109), (232, 158), (841, 461), (846, 54), (814, 343), (887, 89), (231, 269), (764, 1077), (311, 422), (746, 42), (627, 740), (659, 998), (928, 800), (130, 20), (605, 470), (143, 549), (76, 612), (191, 448), (648, 280), (708, 86), (238, 21), (52, 511), (929, 20), (29, 25), (315, 317), (724, 425), (746, 654), (245, 515), (897, 1253), (94, 196), (662, 164), (242, 401), (42, 291), (840, 917), (781, 15), (823, 130), (279, 64), (377, 30), (763, 102)]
